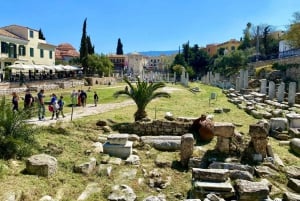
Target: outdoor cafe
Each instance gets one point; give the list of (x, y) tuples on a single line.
[(31, 72)]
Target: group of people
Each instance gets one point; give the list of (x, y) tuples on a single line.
[(55, 106), (28, 100)]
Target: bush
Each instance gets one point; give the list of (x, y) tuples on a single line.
[(16, 136)]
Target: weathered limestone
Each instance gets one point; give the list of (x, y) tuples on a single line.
[(271, 92), (89, 190), (122, 192), (292, 93), (295, 145), (248, 190), (231, 166), (118, 146), (224, 133), (186, 148), (279, 122), (294, 120), (259, 138), (280, 93), (42, 165), (87, 167), (263, 86), (291, 196), (215, 175), (294, 184)]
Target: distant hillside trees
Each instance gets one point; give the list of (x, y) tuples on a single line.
[(293, 32), (119, 47)]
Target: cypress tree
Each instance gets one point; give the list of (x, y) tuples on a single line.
[(41, 35), (91, 48), (83, 48), (119, 47)]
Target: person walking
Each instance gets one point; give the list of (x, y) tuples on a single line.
[(55, 106), (61, 104), (96, 98), (15, 101), (41, 105)]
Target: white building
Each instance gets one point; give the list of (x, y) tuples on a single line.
[(136, 63), (22, 45)]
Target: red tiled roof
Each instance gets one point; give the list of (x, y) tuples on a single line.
[(3, 32), (65, 50)]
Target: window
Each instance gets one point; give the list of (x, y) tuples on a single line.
[(22, 50), (31, 34), (50, 54), (41, 53), (31, 52), (232, 48), (12, 53), (4, 47)]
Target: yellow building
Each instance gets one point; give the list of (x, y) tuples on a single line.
[(22, 45), (228, 46)]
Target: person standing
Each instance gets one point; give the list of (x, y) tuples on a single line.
[(41, 105), (96, 98), (15, 101), (83, 97), (61, 104), (28, 100)]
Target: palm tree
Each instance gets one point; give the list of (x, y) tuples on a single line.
[(142, 94)]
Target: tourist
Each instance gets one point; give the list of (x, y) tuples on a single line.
[(28, 100), (41, 105), (79, 98), (61, 104), (96, 98), (15, 101), (55, 106), (83, 97), (74, 96)]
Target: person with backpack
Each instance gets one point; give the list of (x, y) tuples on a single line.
[(61, 107), (55, 106)]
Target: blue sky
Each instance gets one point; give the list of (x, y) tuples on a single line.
[(145, 25)]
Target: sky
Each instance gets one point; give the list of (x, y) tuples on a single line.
[(145, 25)]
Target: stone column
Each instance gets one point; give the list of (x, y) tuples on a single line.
[(280, 93), (237, 84), (263, 86), (245, 85), (186, 148), (271, 92), (259, 139), (241, 79), (292, 93)]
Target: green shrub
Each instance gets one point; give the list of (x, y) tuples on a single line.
[(16, 135)]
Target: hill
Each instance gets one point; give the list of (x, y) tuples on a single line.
[(158, 53)]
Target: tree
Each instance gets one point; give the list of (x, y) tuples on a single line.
[(99, 64), (90, 47), (17, 136), (119, 47), (246, 42), (142, 94), (84, 48), (41, 35), (293, 31)]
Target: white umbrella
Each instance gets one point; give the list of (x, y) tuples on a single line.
[(20, 67), (38, 67), (59, 68)]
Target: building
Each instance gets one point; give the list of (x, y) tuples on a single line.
[(155, 63), (22, 45), (136, 63), (65, 52), (228, 46), (120, 62)]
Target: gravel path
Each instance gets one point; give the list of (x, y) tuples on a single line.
[(80, 112)]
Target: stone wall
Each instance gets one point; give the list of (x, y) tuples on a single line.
[(100, 80), (157, 127)]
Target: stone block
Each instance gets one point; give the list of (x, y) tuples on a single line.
[(294, 184), (248, 190), (223, 129), (213, 186), (117, 150), (214, 175), (120, 139), (42, 165), (278, 122)]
